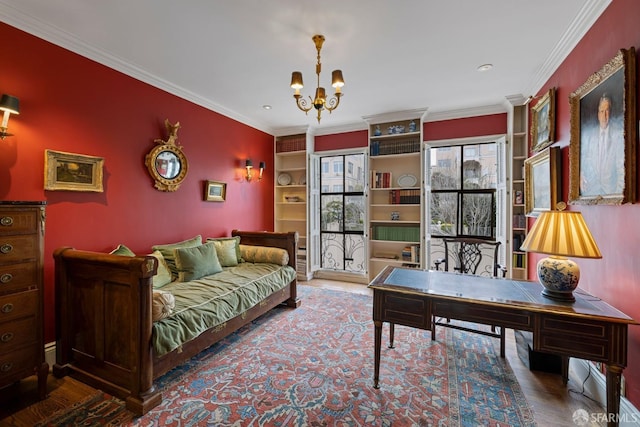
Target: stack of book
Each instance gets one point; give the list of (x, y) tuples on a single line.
[(291, 143), (397, 146), (381, 179), (404, 197), (411, 253)]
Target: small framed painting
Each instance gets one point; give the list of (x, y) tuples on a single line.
[(215, 191), (602, 149), (72, 172), (543, 121), (542, 176)]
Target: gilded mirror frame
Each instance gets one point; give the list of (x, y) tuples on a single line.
[(169, 179)]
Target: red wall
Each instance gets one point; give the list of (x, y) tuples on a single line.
[(355, 139), (616, 277), (69, 103), (492, 124)]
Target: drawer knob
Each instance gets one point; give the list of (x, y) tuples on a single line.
[(6, 337), (7, 308), (7, 221), (6, 248), (6, 367), (6, 278)]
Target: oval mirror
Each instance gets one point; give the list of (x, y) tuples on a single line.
[(166, 162)]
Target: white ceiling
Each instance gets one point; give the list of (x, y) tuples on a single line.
[(235, 56)]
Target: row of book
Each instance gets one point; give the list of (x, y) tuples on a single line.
[(396, 233), (519, 221), (520, 260), (404, 197), (401, 146), (518, 240), (411, 253), (381, 179), (296, 143)]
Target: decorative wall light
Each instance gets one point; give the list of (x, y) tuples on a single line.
[(249, 167), (8, 104), (320, 101), (560, 234)]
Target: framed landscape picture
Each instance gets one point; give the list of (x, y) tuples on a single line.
[(72, 172), (602, 150), (543, 119), (215, 191), (542, 177)]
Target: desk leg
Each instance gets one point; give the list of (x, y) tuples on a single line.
[(392, 331), (614, 374), (377, 344)]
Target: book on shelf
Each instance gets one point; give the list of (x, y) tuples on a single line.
[(381, 179), (292, 143), (397, 146), (404, 197), (519, 221), (411, 253), (400, 233), (519, 260)]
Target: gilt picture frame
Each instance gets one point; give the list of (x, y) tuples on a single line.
[(602, 148), (543, 120), (72, 172), (542, 177), (215, 191)]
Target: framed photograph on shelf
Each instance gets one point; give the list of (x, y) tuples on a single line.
[(602, 150), (215, 191), (543, 120), (542, 179), (72, 172)]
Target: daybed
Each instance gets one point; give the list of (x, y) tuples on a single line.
[(105, 335)]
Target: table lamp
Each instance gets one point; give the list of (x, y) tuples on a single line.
[(560, 234)]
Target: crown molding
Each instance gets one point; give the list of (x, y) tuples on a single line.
[(465, 112), (417, 113), (583, 21)]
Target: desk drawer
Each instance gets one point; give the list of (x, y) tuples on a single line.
[(486, 315), (14, 277), (578, 337), (18, 305), (17, 333), (407, 310)]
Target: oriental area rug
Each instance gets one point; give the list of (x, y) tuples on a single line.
[(313, 366)]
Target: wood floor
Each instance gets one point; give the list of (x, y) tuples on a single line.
[(552, 402)]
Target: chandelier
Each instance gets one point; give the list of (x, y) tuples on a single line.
[(320, 102)]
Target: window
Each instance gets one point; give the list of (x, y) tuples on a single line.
[(463, 191), (342, 243)]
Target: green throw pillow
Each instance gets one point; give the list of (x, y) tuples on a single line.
[(167, 252), (235, 240), (227, 251), (194, 263), (163, 275), (123, 251)]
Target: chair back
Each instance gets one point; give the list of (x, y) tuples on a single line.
[(465, 255)]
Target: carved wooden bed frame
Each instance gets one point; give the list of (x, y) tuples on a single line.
[(104, 326)]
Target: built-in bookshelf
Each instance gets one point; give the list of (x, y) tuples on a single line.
[(395, 192), (518, 230), (291, 193)]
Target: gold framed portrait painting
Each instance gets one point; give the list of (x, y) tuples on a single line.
[(72, 172), (602, 150)]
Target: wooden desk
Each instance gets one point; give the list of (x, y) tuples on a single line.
[(588, 328)]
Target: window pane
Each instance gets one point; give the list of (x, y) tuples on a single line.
[(354, 252), (354, 179), (331, 213), (479, 167), (332, 251), (354, 213), (444, 214), (477, 215), (445, 168)]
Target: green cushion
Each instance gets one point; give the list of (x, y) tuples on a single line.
[(163, 276), (235, 239), (194, 263), (226, 250), (123, 251), (168, 254)]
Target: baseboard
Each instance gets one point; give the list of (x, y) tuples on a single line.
[(595, 386), (342, 276)]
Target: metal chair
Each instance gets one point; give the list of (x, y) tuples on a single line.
[(465, 255)]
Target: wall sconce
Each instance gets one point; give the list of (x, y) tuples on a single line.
[(249, 167), (8, 104)]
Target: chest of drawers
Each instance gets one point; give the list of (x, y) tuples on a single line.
[(22, 293)]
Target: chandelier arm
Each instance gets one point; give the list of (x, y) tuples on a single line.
[(302, 103), (332, 103)]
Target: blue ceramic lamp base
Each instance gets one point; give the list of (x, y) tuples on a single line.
[(559, 276)]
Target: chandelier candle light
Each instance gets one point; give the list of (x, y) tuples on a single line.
[(320, 102), (560, 234)]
